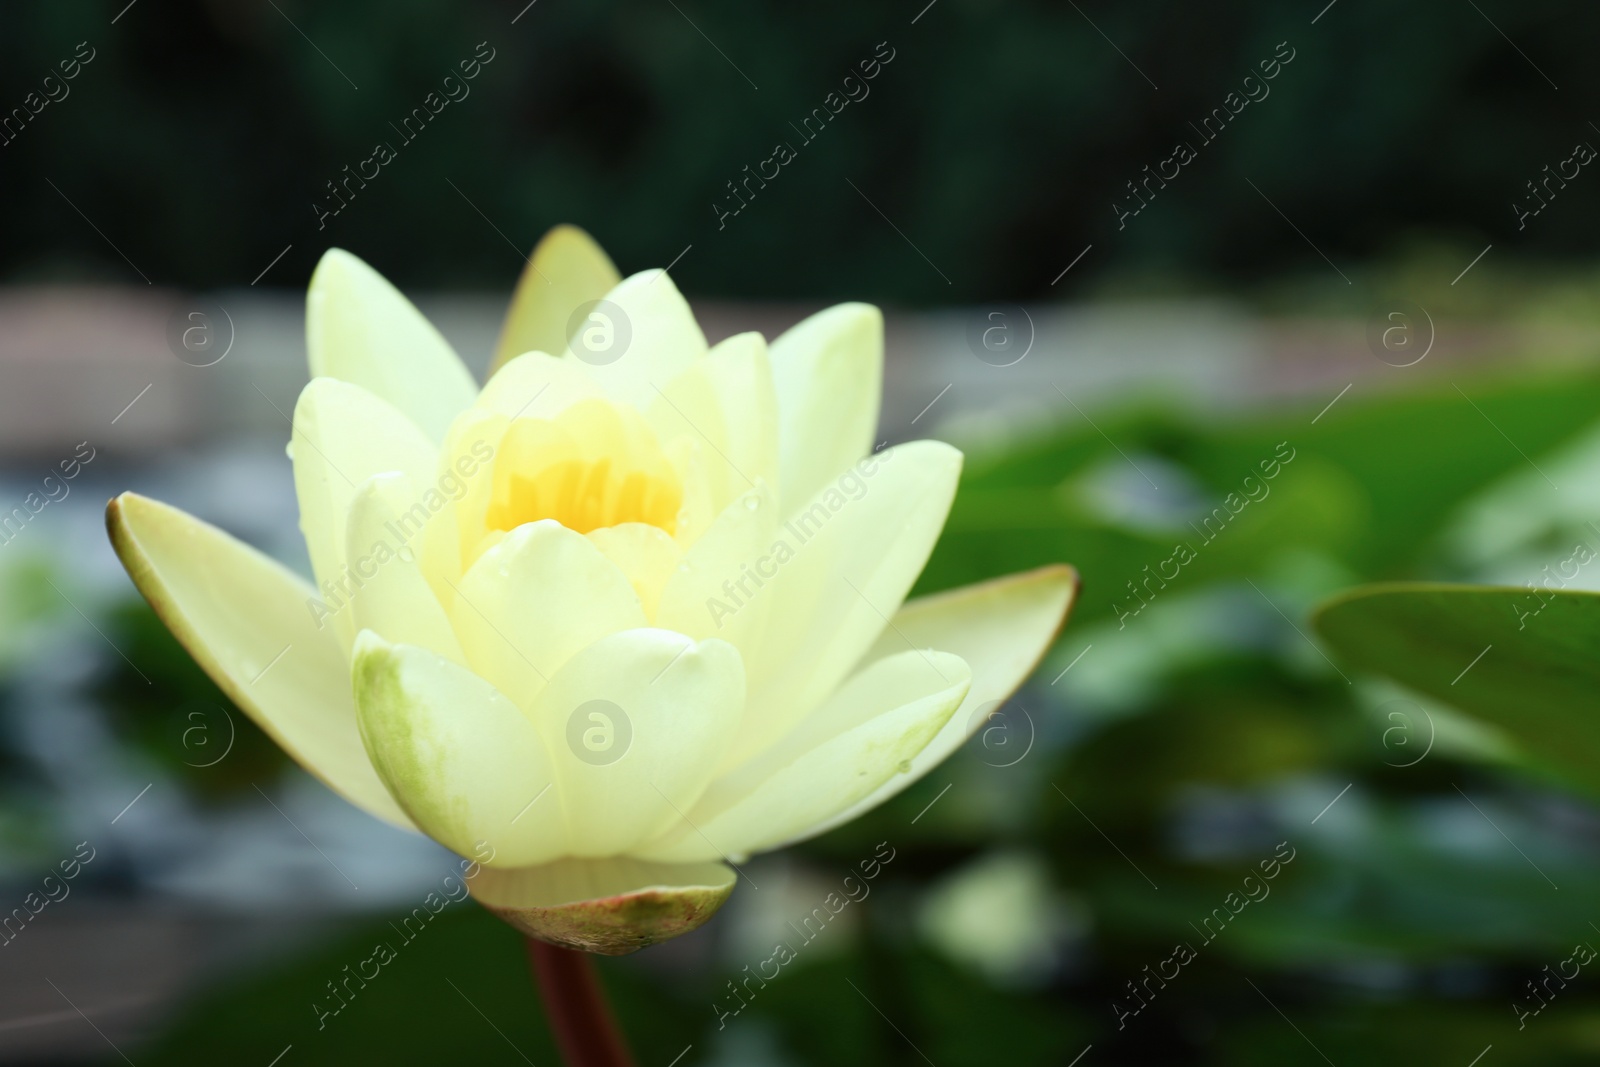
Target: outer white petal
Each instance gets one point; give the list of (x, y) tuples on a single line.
[(249, 623), (828, 371), (536, 385), (663, 340), (739, 372), (726, 406), (636, 723), (344, 435), (1001, 628), (359, 328), (646, 554), (459, 757), (865, 735), (383, 538), (856, 552), (567, 269), (700, 508), (533, 600), (716, 590), (466, 471)]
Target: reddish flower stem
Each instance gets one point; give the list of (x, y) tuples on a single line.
[(585, 1029)]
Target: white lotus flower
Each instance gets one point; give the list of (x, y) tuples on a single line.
[(624, 613)]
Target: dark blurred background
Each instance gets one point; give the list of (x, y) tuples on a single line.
[(997, 139), (1167, 348)]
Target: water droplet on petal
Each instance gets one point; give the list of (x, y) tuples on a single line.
[(904, 766), (406, 554), (752, 502)]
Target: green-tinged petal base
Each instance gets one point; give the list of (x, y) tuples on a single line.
[(610, 907)]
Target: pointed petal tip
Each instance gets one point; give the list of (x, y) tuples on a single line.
[(117, 527), (1064, 575), (123, 512), (1051, 572), (937, 452), (854, 313), (336, 260), (362, 329), (841, 318), (114, 508), (1068, 576), (1002, 628), (367, 645), (569, 232), (566, 269), (648, 276)]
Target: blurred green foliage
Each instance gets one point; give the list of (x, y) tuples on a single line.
[(1542, 686), (27, 601), (1369, 489), (175, 715)]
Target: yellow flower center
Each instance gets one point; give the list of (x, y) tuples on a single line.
[(592, 466)]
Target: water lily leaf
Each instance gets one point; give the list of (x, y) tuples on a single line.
[(1525, 662), (609, 906)]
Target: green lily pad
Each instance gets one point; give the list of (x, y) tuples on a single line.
[(1528, 663)]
